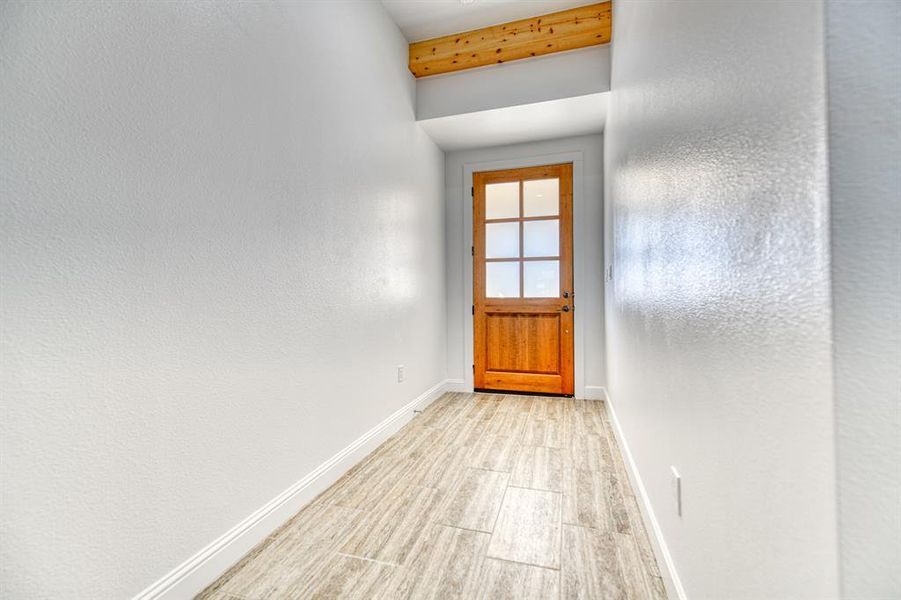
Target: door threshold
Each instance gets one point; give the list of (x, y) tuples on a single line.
[(522, 393)]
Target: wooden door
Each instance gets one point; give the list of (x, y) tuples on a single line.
[(523, 280)]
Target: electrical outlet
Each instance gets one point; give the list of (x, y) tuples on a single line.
[(677, 489), (400, 373)]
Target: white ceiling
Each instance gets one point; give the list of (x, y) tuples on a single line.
[(564, 117), (425, 19)]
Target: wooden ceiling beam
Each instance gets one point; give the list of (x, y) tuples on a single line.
[(565, 30)]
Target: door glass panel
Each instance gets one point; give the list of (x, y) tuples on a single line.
[(541, 238), (502, 200), (541, 197), (502, 240), (541, 279), (502, 280)]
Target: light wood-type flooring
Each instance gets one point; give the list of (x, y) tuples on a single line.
[(479, 496)]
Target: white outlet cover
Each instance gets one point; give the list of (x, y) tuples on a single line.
[(677, 489)]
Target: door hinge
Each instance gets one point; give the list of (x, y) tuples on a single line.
[(473, 309), (473, 368), (472, 192), (472, 250)]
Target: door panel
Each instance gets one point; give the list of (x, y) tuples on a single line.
[(523, 342), (522, 288)]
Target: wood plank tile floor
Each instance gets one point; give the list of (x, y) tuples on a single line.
[(479, 496)]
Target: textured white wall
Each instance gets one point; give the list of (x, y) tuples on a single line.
[(217, 243), (589, 290), (718, 317), (864, 74), (539, 79)]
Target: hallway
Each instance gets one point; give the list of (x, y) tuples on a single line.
[(480, 496), (278, 277)]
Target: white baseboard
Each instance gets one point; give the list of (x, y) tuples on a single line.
[(196, 573), (455, 385), (661, 551), (595, 392)]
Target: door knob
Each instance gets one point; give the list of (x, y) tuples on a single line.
[(565, 308)]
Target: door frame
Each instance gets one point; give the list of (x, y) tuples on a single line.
[(576, 158)]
